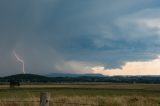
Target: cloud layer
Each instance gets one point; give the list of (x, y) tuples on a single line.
[(74, 35)]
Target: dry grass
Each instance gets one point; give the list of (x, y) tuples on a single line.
[(84, 100), (81, 94)]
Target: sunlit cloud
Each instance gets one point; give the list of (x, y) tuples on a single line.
[(132, 68), (151, 23)]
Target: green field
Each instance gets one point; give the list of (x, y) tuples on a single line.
[(97, 94)]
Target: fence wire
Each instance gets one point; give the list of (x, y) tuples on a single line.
[(77, 104), (19, 101), (57, 102)]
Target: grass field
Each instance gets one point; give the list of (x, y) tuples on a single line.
[(93, 94)]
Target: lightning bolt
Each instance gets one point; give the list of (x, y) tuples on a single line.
[(20, 60)]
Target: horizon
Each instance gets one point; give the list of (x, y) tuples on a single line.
[(86, 74), (109, 37)]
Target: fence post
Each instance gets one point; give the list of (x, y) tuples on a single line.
[(44, 99)]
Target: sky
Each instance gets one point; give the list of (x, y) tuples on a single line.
[(111, 37)]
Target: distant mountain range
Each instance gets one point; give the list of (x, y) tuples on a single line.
[(73, 75)]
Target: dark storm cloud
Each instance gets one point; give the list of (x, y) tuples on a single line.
[(60, 35)]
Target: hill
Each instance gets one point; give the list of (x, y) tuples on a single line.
[(26, 78)]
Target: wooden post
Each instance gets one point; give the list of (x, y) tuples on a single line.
[(44, 99)]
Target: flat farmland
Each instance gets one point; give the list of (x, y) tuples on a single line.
[(83, 93)]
